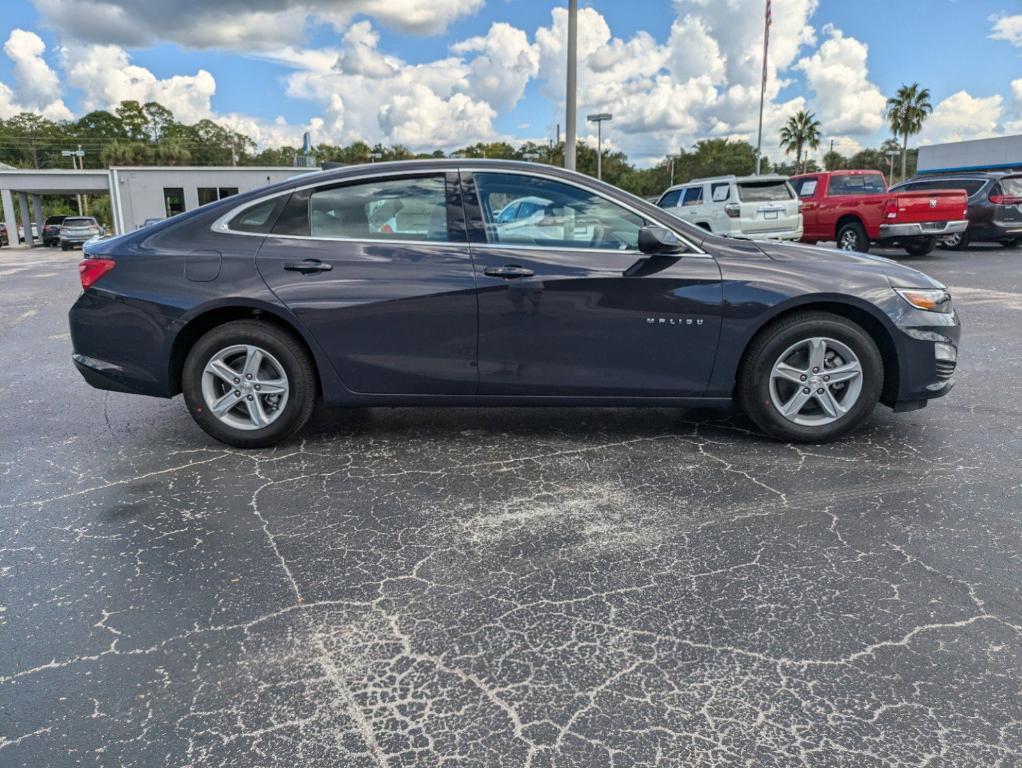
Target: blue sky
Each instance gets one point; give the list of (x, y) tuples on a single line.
[(440, 73)]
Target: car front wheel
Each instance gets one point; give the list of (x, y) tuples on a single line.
[(249, 384), (810, 378)]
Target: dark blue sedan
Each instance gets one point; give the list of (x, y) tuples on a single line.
[(402, 284)]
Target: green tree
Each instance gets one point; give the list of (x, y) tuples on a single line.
[(907, 110), (158, 119), (134, 119), (121, 152), (800, 132), (834, 161)]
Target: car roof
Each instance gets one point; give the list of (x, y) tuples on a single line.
[(732, 178)]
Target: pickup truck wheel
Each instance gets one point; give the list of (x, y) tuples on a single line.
[(959, 241), (852, 237), (920, 246), (810, 378)]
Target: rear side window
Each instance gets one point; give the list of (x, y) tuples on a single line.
[(857, 184), (259, 218), (392, 209), (720, 192), (693, 196), (971, 186), (670, 200), (805, 187), (1011, 186), (764, 191)]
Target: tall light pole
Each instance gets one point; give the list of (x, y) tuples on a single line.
[(569, 122), (599, 119), (762, 88), (75, 153)]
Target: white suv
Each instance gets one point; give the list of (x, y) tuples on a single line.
[(754, 207)]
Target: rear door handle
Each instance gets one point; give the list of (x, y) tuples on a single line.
[(508, 272), (309, 265)]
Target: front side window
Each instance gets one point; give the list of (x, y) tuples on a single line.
[(693, 196), (857, 184), (671, 199), (392, 209), (564, 216), (805, 187)]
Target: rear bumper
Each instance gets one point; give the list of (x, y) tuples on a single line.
[(923, 229)]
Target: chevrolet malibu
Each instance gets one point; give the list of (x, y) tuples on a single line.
[(401, 284)]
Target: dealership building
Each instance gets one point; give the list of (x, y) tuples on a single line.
[(137, 193), (1003, 153)]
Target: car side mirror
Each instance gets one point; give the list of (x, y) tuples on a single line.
[(660, 241)]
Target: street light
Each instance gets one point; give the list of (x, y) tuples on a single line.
[(569, 118), (75, 153), (891, 154), (600, 119)]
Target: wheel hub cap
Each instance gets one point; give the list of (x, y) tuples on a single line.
[(815, 381), (245, 387)]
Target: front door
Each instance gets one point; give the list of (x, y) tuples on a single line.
[(379, 272), (569, 307)]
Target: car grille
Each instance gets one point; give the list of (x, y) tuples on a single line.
[(945, 369)]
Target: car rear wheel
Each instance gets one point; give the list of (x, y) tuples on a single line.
[(852, 237), (249, 384), (959, 241), (1012, 243), (920, 246), (810, 378)]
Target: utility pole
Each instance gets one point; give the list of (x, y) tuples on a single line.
[(762, 88), (74, 154), (599, 119), (569, 123)]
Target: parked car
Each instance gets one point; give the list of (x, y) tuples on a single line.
[(4, 240), (856, 209), (257, 305), (995, 205), (35, 233), (749, 206), (77, 230), (51, 230)]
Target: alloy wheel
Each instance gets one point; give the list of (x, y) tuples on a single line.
[(849, 241), (815, 381), (245, 387)]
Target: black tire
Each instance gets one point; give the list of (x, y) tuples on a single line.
[(65, 247), (851, 236), (753, 386), (920, 246), (956, 242), (283, 346), (1012, 243)]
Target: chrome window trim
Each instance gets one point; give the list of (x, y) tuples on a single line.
[(221, 224)]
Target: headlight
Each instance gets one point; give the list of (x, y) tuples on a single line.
[(930, 300)]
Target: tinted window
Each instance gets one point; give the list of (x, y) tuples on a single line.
[(764, 191), (670, 200), (79, 222), (805, 187), (258, 218), (1011, 186), (693, 196), (572, 217), (394, 209), (54, 220), (971, 186), (720, 192), (857, 184)]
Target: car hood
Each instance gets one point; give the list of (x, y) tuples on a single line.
[(896, 274)]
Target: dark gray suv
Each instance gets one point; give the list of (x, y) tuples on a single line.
[(995, 205)]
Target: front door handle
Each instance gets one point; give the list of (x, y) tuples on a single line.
[(309, 265), (508, 272)]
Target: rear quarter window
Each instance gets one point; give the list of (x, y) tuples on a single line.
[(1011, 186)]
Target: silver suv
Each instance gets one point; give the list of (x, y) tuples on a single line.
[(78, 230), (754, 207)]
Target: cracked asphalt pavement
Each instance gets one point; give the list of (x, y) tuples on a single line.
[(530, 587)]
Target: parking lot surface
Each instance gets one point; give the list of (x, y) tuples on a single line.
[(494, 587)]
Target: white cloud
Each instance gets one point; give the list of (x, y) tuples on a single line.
[(1007, 28), (37, 85), (844, 98), (244, 25), (503, 66), (106, 77), (962, 116)]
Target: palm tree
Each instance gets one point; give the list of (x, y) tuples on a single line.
[(906, 112), (802, 130)]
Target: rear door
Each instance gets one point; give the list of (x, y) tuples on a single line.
[(380, 273), (571, 308), (767, 207)]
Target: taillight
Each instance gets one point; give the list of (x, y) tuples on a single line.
[(733, 210), (90, 270), (891, 209), (1005, 200)]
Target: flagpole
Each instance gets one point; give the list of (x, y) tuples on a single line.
[(762, 88)]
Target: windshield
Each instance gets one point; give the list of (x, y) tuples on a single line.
[(764, 191)]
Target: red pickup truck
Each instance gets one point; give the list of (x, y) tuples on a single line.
[(855, 209)]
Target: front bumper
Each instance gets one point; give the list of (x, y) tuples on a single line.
[(927, 355), (923, 229)]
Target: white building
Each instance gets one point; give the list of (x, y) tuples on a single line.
[(1003, 153), (137, 193)]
